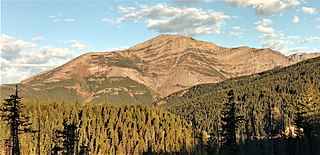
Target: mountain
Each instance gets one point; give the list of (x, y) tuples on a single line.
[(302, 56), (149, 70), (278, 90)]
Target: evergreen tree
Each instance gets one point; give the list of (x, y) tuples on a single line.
[(69, 138), (305, 113), (230, 121), (18, 123), (39, 134)]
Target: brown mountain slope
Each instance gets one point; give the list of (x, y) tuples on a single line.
[(155, 68)]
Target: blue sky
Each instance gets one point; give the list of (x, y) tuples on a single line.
[(39, 35)]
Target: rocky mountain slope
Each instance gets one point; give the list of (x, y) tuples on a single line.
[(149, 70)]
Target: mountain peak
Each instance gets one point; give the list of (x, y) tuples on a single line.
[(173, 40), (171, 36)]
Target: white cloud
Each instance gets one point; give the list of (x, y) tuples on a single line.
[(282, 46), (189, 2), (288, 44), (236, 32), (54, 18), (75, 44), (265, 7), (111, 21), (293, 38), (296, 19), (310, 11), (60, 18), (263, 26), (186, 2), (166, 19), (277, 45), (118, 48), (276, 40), (309, 39), (21, 59), (69, 20), (264, 22), (267, 31), (10, 47), (236, 28), (37, 39), (126, 10)]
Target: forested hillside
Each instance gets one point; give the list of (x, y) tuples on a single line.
[(99, 129), (268, 101), (280, 87)]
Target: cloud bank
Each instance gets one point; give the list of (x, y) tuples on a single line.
[(167, 19), (21, 59)]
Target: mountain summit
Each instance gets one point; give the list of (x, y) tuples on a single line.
[(152, 69)]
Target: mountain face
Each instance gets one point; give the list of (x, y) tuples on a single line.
[(149, 70)]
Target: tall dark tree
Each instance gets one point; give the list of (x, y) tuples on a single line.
[(229, 123), (39, 134), (304, 117), (18, 123), (68, 137)]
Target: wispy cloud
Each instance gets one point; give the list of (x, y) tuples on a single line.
[(37, 39), (236, 32), (54, 18), (265, 7), (296, 19), (276, 40), (309, 40), (166, 19), (75, 44), (69, 20), (190, 2), (310, 11), (118, 48), (60, 18), (264, 22)]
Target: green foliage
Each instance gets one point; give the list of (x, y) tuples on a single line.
[(102, 129), (266, 100)]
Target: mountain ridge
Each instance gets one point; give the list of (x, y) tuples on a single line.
[(153, 69)]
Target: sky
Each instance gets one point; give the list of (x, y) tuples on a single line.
[(40, 35)]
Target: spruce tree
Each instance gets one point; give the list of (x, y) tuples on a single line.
[(68, 137), (304, 117), (229, 123), (18, 123)]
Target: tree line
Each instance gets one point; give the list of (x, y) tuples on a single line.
[(35, 127)]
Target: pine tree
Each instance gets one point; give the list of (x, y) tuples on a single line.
[(68, 137), (18, 123), (230, 121), (304, 117), (39, 133)]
